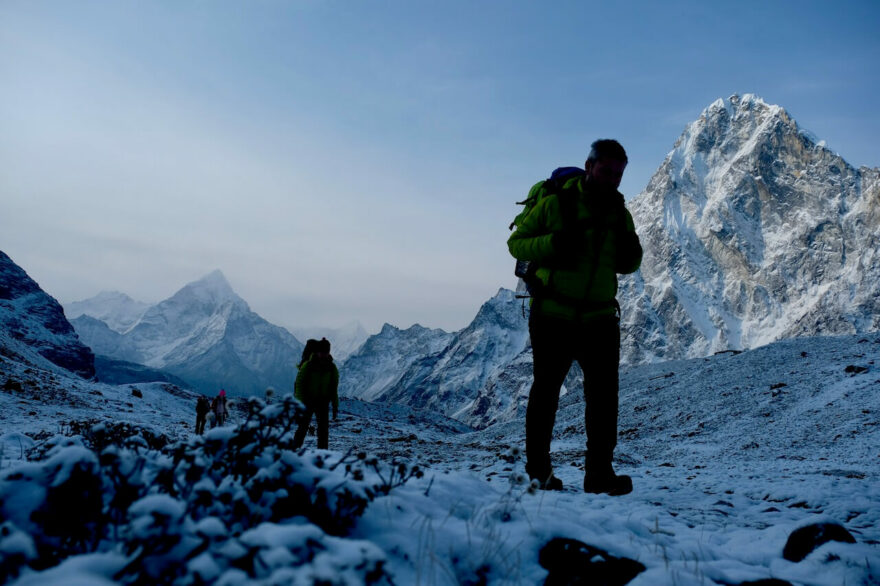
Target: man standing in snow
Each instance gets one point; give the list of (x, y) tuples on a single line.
[(316, 386), (579, 235)]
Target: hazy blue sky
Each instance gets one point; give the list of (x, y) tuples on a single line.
[(344, 160)]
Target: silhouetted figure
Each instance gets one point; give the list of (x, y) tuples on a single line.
[(577, 237), (218, 406), (316, 387), (202, 408)]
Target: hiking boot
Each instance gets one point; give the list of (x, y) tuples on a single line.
[(549, 483), (612, 485)]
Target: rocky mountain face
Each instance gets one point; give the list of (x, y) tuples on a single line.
[(33, 326), (753, 232), (102, 340), (385, 358), (449, 380), (206, 335), (117, 310)]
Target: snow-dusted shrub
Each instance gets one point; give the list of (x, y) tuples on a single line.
[(16, 549), (252, 474), (236, 504), (58, 503), (97, 434)]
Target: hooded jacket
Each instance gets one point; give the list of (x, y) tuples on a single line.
[(578, 273), (317, 382)]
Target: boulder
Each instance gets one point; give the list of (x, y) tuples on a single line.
[(572, 562), (802, 542)]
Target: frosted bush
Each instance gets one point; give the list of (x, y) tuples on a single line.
[(235, 505)]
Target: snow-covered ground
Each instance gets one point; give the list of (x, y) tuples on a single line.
[(729, 455)]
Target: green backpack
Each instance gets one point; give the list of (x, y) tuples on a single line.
[(528, 285)]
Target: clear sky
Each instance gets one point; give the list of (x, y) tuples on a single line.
[(360, 160)]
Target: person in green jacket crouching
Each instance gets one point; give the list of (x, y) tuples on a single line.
[(316, 388), (578, 237)]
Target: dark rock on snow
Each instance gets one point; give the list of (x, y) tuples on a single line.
[(802, 542), (571, 562)]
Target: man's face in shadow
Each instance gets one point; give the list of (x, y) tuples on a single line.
[(605, 173)]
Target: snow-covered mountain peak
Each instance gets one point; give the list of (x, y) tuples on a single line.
[(110, 297), (742, 108), (384, 358), (387, 329), (206, 335), (497, 310), (729, 107), (439, 371), (753, 231), (119, 311), (213, 288), (730, 135)]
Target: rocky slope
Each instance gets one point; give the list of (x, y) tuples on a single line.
[(385, 358), (753, 232), (449, 380), (103, 340), (33, 326)]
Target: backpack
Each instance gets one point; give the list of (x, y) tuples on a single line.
[(309, 349), (528, 285)]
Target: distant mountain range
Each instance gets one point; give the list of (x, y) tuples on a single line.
[(386, 357), (345, 340), (205, 334), (753, 232), (116, 310), (448, 379)]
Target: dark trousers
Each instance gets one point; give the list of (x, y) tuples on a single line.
[(555, 345), (200, 422), (321, 412)]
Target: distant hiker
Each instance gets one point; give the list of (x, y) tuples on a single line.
[(316, 387), (202, 408), (218, 406), (577, 237)]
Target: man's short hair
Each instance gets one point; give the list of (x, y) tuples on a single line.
[(607, 148)]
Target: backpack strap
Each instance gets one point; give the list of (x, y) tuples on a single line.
[(567, 197)]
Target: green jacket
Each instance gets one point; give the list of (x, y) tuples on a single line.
[(578, 282), (317, 383)]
